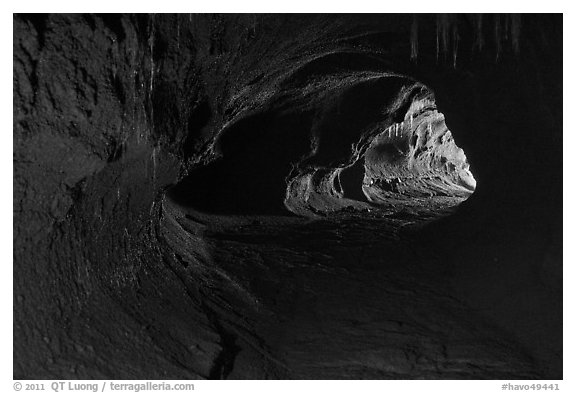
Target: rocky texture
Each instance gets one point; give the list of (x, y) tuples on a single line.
[(416, 157), (188, 197)]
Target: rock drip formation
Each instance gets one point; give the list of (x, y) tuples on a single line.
[(281, 196)]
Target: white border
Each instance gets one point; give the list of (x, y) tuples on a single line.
[(6, 383)]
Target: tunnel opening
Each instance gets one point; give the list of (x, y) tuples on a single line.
[(412, 163), (351, 180), (248, 178), (417, 158), (288, 160)]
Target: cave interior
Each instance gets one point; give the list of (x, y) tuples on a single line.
[(307, 196)]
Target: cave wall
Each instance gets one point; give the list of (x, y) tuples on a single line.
[(417, 157), (111, 111)]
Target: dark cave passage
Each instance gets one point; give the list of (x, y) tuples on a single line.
[(351, 180), (261, 158), (249, 178)]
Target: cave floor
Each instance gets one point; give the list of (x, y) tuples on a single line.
[(356, 295)]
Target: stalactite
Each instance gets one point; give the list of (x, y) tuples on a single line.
[(515, 32), (414, 39), (444, 26), (447, 35), (437, 41), (178, 31), (479, 43), (455, 39), (254, 24), (497, 35), (502, 30)]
